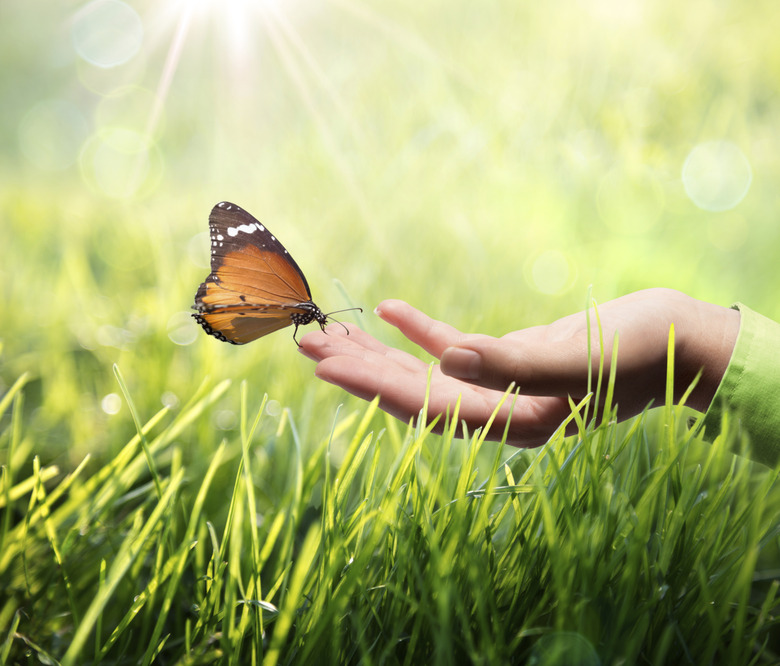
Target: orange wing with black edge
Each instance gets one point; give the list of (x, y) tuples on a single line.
[(255, 287)]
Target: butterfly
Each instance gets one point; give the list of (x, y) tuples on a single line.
[(255, 287)]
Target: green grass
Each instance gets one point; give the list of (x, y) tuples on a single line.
[(628, 543), (487, 162)]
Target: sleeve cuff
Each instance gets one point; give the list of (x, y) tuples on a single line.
[(750, 388)]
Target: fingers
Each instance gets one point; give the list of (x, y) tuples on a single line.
[(432, 335), (547, 363), (355, 361), (357, 345), (336, 339), (537, 365), (401, 392), (366, 368)]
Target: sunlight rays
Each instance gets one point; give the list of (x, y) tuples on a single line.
[(214, 55), (172, 60), (287, 44), (298, 44), (408, 40)]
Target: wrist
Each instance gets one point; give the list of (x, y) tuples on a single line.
[(705, 347)]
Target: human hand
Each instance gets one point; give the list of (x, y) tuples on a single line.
[(547, 363)]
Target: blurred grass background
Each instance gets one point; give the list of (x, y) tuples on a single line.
[(485, 161)]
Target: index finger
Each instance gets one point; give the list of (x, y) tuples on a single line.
[(432, 335)]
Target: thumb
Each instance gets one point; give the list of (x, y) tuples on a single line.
[(552, 368)]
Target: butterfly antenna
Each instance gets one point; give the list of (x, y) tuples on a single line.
[(337, 321), (344, 310)]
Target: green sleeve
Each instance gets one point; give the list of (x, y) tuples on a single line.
[(750, 388)]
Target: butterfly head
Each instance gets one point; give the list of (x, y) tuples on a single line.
[(313, 313), (310, 313)]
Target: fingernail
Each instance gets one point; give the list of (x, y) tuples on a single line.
[(460, 363)]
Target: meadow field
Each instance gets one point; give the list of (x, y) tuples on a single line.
[(168, 498)]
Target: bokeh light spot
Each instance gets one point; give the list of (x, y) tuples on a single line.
[(114, 336), (170, 400), (51, 134), (716, 175), (562, 648), (107, 33), (226, 419), (182, 328), (111, 403)]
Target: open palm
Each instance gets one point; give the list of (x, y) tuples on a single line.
[(547, 363)]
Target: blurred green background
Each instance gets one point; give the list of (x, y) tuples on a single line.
[(485, 161)]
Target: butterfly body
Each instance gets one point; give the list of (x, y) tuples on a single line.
[(255, 287)]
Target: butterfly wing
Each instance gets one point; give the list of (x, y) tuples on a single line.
[(242, 326), (255, 287)]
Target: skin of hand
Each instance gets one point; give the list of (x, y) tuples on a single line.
[(547, 363)]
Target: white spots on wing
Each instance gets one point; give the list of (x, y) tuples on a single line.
[(221, 233), (226, 205), (245, 228)]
